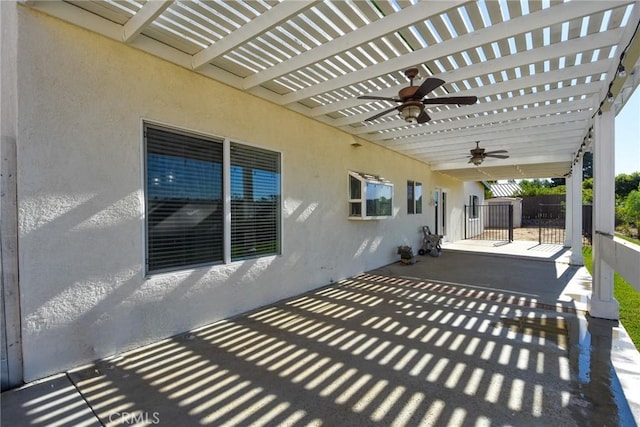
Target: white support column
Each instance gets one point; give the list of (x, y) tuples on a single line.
[(576, 213), (602, 303), (568, 214)]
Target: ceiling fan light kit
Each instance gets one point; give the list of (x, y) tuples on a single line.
[(476, 161), (410, 111)]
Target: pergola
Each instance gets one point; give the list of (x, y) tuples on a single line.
[(549, 76), (541, 70)]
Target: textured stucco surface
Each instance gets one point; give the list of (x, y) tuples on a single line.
[(81, 103), (11, 354)]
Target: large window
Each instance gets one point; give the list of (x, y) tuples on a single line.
[(185, 201)]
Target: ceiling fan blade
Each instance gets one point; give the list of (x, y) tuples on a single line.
[(497, 156), (379, 98), (496, 152), (380, 114), (423, 117), (427, 86), (462, 100)]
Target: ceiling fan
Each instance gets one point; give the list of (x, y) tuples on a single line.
[(412, 99), (478, 154)]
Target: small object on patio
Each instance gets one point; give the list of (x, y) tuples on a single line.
[(406, 254), (430, 243)]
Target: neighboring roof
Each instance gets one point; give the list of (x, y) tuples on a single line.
[(508, 189), (541, 69)]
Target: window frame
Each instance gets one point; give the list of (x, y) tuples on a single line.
[(365, 180), (278, 209), (414, 202), (474, 203), (226, 199)]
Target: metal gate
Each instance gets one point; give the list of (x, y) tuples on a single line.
[(489, 222), (551, 224)]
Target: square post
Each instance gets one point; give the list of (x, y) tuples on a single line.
[(576, 213), (602, 304), (568, 212)]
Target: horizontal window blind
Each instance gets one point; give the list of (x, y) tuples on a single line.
[(184, 200), (255, 202)]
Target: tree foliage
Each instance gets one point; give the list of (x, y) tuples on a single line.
[(537, 187), (632, 207), (587, 191), (626, 183), (627, 187)]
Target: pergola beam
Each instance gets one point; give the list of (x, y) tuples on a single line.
[(143, 18), (261, 24), (541, 158), (551, 147), (539, 140), (534, 135)]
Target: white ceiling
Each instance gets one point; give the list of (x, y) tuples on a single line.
[(541, 69)]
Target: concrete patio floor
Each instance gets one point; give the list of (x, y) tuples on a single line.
[(463, 339)]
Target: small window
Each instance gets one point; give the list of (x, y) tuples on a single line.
[(473, 206), (414, 197), (370, 196)]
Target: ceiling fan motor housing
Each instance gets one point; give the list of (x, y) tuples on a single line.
[(407, 92)]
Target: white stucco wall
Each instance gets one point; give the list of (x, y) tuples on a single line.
[(81, 103)]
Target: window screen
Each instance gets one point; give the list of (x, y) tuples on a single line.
[(184, 200)]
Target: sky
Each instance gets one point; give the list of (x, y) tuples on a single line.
[(627, 159)]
